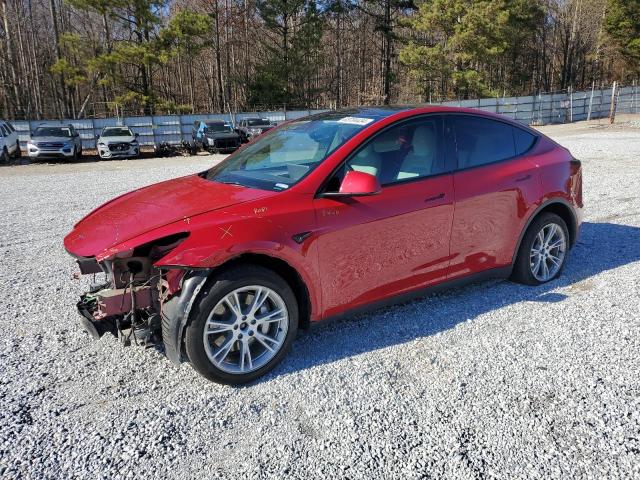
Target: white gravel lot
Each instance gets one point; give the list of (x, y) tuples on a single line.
[(492, 380)]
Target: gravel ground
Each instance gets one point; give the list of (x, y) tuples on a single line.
[(490, 380)]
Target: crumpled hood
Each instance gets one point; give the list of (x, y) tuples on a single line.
[(121, 139), (148, 208)]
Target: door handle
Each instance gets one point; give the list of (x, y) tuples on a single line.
[(437, 197), (523, 179)]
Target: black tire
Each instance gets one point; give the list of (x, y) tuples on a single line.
[(213, 292), (522, 269), (4, 156), (75, 155), (18, 153)]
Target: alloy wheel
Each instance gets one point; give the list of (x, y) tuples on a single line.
[(246, 329), (548, 252)]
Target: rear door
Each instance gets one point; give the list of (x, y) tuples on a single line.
[(377, 246), (496, 186)]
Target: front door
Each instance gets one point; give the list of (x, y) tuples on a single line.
[(377, 246)]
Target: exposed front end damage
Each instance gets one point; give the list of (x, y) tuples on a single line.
[(129, 296)]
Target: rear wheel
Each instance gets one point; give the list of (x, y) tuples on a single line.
[(543, 251), (242, 325)]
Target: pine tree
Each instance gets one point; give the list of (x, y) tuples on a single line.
[(292, 54), (462, 48), (622, 24)]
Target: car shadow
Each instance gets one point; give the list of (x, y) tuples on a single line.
[(601, 247)]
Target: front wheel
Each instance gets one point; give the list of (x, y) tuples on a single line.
[(242, 325), (543, 251), (18, 152), (4, 155)]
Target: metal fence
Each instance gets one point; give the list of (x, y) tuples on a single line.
[(560, 107), (541, 109)]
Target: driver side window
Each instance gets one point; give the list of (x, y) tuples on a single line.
[(407, 151)]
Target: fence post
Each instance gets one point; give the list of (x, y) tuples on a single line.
[(540, 100), (593, 85), (612, 110), (570, 104)]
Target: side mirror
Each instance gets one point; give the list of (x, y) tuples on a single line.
[(357, 184)]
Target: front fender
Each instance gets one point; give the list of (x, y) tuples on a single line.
[(175, 314), (206, 258)]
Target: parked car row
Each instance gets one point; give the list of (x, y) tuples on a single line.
[(53, 140)]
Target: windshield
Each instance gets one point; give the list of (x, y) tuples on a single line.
[(286, 154), (52, 132), (217, 127), (257, 121), (117, 132)]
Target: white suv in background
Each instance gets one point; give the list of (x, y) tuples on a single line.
[(118, 142), (9, 142)]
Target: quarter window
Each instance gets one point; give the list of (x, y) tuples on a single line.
[(480, 141), (523, 140)]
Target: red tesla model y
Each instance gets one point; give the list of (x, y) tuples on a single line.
[(319, 217)]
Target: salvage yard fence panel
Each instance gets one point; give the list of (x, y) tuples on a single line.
[(540, 109)]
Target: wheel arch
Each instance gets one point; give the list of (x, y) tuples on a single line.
[(177, 310), (282, 268), (560, 207)]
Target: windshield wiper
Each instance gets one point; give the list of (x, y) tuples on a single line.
[(229, 182)]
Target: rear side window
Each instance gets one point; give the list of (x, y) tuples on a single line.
[(10, 127), (480, 141), (523, 140)]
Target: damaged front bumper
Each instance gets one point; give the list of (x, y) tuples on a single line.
[(138, 303), (93, 327)]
